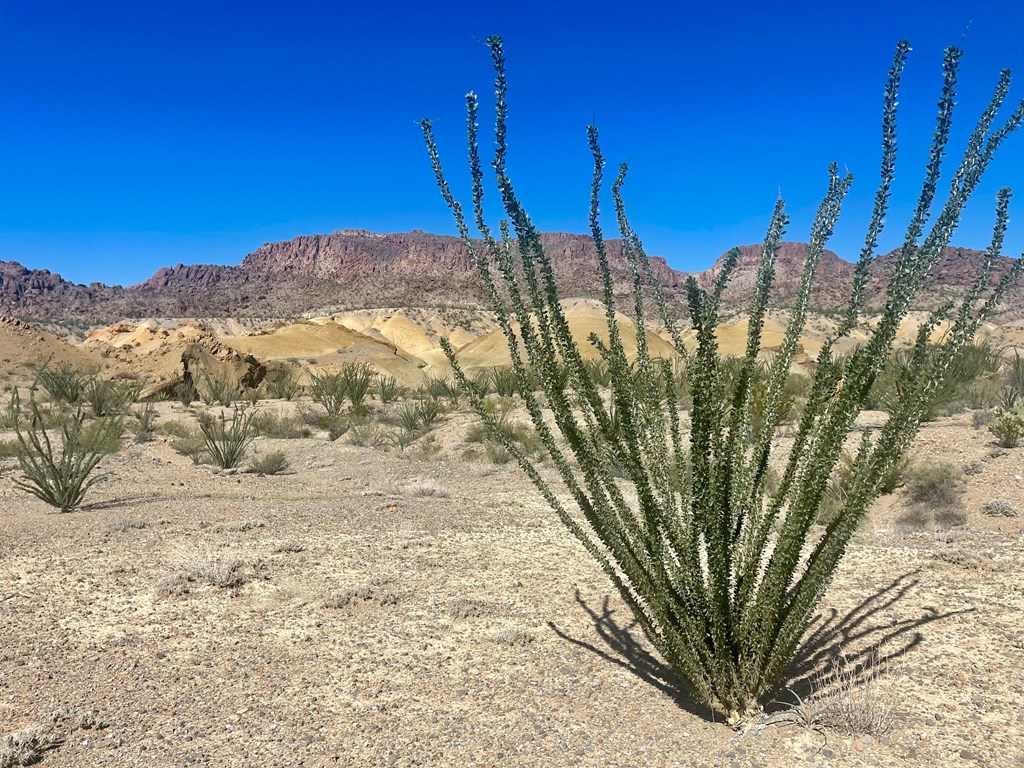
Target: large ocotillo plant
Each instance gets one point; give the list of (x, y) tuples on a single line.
[(722, 569)]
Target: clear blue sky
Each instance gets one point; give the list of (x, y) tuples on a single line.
[(140, 133)]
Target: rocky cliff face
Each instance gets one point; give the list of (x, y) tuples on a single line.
[(355, 268)]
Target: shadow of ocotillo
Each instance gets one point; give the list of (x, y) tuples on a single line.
[(866, 637)]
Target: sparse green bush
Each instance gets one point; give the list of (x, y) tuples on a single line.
[(329, 390), (1008, 427), (358, 378), (367, 436), (504, 381), (9, 449), (192, 446), (11, 415), (935, 484), (598, 371), (273, 463), (103, 435), (279, 427), (403, 438), (186, 392), (62, 476), (145, 421), (64, 383), (283, 383), (227, 442), (430, 411), (218, 388), (722, 575), (388, 389)]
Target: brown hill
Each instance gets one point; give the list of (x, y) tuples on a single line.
[(352, 269)]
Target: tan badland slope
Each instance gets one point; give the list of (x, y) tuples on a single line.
[(585, 317), (154, 353), (24, 348), (325, 344)]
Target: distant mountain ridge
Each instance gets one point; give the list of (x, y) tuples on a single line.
[(356, 268)]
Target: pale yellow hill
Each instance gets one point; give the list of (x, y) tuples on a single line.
[(585, 318), (324, 344), (25, 348)]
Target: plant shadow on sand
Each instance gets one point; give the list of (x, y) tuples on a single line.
[(864, 636)]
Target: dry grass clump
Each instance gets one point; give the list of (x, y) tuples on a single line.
[(463, 608), (514, 637), (847, 697), (238, 526), (196, 568), (935, 492), (123, 524), (425, 488), (24, 747), (272, 463), (377, 592), (854, 697)]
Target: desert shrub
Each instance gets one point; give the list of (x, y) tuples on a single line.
[(439, 386), (62, 476), (64, 383), (504, 381), (193, 446), (227, 442), (968, 379), (282, 383), (194, 567), (9, 449), (367, 436), (852, 697), (430, 411), (981, 419), (402, 438), (272, 463), (123, 524), (358, 378), (1008, 428), (722, 576), (185, 391), (176, 428), (427, 448), (273, 425), (598, 371), (145, 422), (842, 482), (218, 388), (329, 390), (999, 508), (253, 395), (102, 397), (406, 416), (103, 435), (24, 747), (388, 389), (11, 414), (934, 483)]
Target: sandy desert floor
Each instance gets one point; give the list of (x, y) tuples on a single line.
[(394, 611)]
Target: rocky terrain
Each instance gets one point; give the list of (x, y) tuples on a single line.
[(357, 269), (377, 607)]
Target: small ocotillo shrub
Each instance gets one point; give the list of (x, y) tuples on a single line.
[(64, 383), (227, 441), (283, 383), (62, 474), (722, 569)]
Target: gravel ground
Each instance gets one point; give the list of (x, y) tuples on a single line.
[(382, 610)]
